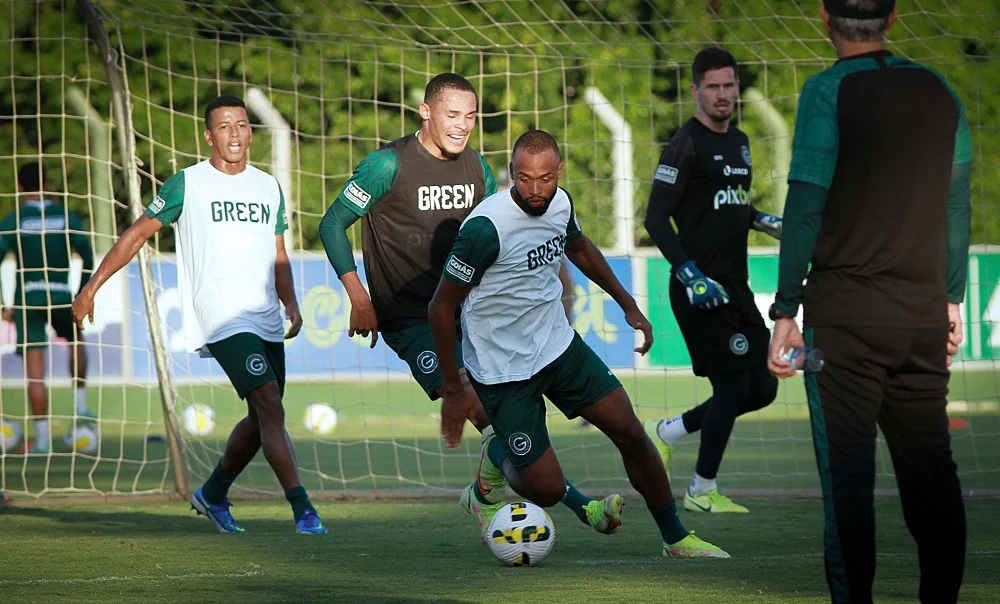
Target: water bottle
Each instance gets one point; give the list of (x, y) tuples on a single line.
[(805, 359)]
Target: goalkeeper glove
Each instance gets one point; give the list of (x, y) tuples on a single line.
[(703, 292), (766, 223)]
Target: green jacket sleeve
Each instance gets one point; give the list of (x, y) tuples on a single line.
[(959, 211), (803, 219)]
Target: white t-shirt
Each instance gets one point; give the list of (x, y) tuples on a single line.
[(513, 321), (226, 227)]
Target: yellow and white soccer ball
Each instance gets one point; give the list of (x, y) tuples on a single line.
[(10, 435), (199, 419), (320, 419), (82, 438), (521, 534)]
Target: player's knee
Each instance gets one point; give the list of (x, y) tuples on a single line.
[(266, 403), (764, 393), (731, 390), (549, 495), (631, 440)]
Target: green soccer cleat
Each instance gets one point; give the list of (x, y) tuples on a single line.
[(492, 483), (665, 450), (605, 515), (693, 547), (714, 502), (484, 513)]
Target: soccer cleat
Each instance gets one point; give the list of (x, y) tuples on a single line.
[(492, 483), (605, 515), (3, 499), (484, 513), (651, 427), (693, 547), (714, 502), (219, 514), (310, 524)]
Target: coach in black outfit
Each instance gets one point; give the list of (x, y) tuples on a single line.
[(878, 202)]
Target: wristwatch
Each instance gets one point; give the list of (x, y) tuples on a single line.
[(774, 314)]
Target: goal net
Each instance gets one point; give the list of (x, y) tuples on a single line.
[(325, 86)]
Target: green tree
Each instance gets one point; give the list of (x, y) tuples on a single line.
[(349, 79)]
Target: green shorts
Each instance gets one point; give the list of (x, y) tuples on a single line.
[(250, 361), (30, 325), (573, 382), (415, 345)]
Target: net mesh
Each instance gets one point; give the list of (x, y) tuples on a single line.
[(348, 79)]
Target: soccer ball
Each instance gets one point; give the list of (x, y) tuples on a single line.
[(199, 419), (521, 534), (320, 419), (82, 438), (10, 435)]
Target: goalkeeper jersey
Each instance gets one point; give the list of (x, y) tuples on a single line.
[(40, 234), (712, 172), (513, 321), (412, 204), (225, 227)]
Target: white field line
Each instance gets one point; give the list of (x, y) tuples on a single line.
[(137, 578)]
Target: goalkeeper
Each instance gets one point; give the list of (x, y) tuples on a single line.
[(703, 183), (41, 234)]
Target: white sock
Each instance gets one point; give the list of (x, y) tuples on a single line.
[(701, 485), (42, 431), (81, 401), (671, 430)]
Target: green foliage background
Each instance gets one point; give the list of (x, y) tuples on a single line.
[(349, 78)]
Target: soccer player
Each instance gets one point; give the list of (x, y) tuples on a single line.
[(41, 234), (879, 204), (703, 182), (518, 345), (232, 271), (411, 197)]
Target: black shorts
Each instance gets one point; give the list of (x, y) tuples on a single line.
[(728, 339)]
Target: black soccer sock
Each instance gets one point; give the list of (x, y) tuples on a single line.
[(216, 488), (671, 528), (299, 500)]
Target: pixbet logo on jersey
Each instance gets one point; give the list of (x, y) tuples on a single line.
[(731, 197)]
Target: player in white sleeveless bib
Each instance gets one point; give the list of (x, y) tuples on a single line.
[(229, 219), (518, 345)]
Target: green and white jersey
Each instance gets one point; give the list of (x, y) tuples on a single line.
[(41, 235), (513, 322), (226, 227)]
